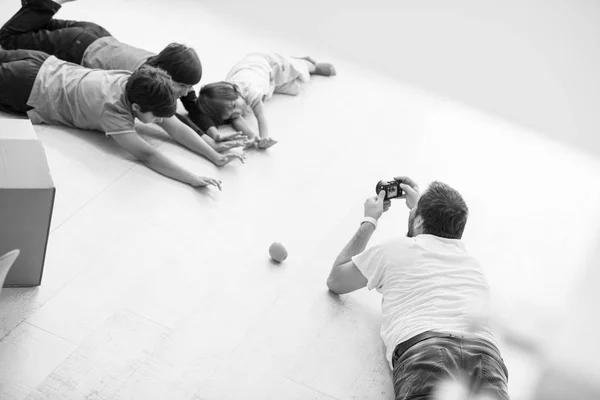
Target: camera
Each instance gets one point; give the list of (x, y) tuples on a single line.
[(392, 189)]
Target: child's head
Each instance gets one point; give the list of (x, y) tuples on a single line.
[(221, 99), (151, 94), (182, 63)]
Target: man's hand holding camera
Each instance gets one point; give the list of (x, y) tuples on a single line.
[(411, 191), (377, 205), (345, 276)]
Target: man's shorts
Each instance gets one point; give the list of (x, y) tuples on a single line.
[(427, 360)]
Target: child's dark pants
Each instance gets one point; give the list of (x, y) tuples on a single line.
[(18, 71), (33, 28)]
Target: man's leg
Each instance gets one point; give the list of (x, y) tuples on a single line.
[(18, 71), (424, 366), (475, 364), (486, 369), (32, 27)]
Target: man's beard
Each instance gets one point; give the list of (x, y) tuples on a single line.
[(411, 228)]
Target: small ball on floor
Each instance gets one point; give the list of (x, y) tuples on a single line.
[(278, 252)]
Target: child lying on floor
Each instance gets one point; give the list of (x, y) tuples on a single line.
[(250, 82), (90, 45)]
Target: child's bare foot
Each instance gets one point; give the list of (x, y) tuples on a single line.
[(324, 69), (318, 68)]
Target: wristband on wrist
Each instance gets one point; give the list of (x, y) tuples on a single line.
[(370, 220)]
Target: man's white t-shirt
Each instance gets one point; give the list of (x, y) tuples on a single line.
[(428, 283)]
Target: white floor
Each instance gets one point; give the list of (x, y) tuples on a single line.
[(153, 290)]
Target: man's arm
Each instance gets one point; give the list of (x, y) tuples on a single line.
[(184, 135), (157, 161), (345, 276)]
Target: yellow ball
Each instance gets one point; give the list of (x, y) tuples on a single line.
[(278, 252)]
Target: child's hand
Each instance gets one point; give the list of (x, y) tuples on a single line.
[(225, 158), (265, 143), (203, 181), (251, 143)]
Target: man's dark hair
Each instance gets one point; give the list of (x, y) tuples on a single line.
[(180, 61), (152, 89), (443, 210)]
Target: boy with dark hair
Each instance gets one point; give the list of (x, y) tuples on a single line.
[(54, 91), (90, 45), (433, 291)]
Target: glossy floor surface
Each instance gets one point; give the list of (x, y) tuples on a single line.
[(154, 290)]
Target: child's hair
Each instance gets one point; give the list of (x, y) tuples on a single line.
[(214, 98), (152, 89), (180, 61)]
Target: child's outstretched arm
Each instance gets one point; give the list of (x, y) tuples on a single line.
[(160, 163), (240, 141), (214, 133), (194, 121), (184, 135), (237, 139), (259, 112), (240, 124), (264, 142), (261, 139)]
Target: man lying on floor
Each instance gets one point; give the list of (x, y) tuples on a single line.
[(432, 288)]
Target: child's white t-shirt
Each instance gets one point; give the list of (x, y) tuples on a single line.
[(252, 75), (251, 94), (427, 283)]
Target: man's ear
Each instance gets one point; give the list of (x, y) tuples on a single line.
[(418, 224), (136, 107)]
